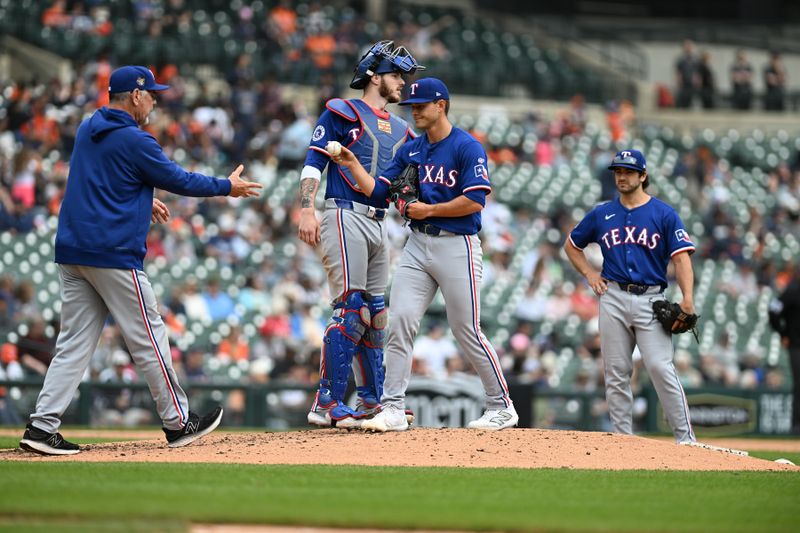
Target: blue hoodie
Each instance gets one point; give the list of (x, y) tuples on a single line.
[(105, 215)]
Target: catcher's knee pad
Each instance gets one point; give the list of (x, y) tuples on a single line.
[(370, 354), (351, 317)]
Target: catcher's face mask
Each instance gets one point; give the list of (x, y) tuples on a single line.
[(383, 58)]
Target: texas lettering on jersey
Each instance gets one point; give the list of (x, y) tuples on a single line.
[(438, 175), (641, 237)]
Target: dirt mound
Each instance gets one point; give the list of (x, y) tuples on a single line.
[(515, 448)]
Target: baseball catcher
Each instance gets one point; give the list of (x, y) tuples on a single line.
[(674, 319), (404, 191)]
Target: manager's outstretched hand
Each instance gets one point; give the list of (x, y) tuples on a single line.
[(242, 188)]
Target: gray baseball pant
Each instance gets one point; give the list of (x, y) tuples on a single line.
[(626, 321), (453, 263), (88, 295)]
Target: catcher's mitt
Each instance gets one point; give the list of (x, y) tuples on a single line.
[(404, 191), (673, 318)]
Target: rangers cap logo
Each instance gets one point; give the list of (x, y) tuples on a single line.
[(140, 82)]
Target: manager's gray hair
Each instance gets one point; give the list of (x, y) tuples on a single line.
[(118, 98)]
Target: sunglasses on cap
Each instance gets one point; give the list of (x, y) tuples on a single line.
[(627, 160)]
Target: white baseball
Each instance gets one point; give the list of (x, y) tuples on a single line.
[(334, 148)]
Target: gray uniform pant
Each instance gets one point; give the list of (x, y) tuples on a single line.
[(626, 321), (355, 252), (88, 295), (453, 263)]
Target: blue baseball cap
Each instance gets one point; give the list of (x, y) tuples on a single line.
[(629, 159), (128, 78), (426, 90)]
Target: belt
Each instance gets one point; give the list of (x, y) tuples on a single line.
[(368, 211), (633, 288), (430, 229)]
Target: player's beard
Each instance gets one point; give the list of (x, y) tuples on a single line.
[(386, 93), (627, 188)]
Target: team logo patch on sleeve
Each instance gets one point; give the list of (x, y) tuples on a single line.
[(681, 235), (480, 170), (319, 133)]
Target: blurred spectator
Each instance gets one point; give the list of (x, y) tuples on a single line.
[(293, 145), (708, 88), (194, 303), (432, 351), (583, 303), (116, 406), (8, 304), (775, 83), (234, 347), (720, 364), (36, 348), (742, 82), (220, 304), (525, 363), (686, 78), (194, 365), (228, 245), (10, 370), (56, 15), (688, 375)]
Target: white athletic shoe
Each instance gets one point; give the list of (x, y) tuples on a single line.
[(389, 419), (319, 417), (496, 419)]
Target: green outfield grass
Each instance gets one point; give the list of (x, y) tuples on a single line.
[(771, 456), (403, 498)]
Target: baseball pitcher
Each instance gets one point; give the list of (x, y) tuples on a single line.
[(443, 251)]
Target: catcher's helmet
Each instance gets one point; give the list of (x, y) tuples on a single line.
[(382, 58)]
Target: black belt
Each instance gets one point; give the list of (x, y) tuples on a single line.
[(430, 229), (366, 210), (633, 288)]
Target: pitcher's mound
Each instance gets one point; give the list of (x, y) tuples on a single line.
[(512, 448)]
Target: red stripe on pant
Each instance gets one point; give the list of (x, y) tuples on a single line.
[(156, 350)]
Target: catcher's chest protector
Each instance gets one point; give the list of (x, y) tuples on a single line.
[(373, 139)]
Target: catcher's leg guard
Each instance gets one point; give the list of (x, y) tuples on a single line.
[(351, 317), (370, 356)]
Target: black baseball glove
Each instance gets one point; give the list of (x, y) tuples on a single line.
[(673, 319), (404, 191)]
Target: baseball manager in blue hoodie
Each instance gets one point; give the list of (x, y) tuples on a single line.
[(100, 249)]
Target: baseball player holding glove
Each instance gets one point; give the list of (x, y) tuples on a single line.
[(353, 232), (443, 251), (638, 235), (100, 247)]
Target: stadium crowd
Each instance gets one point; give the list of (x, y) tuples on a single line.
[(207, 125)]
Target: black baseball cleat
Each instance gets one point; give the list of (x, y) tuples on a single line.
[(195, 428), (37, 441)]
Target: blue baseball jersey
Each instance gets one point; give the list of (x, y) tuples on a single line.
[(452, 167), (374, 137), (637, 243)]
